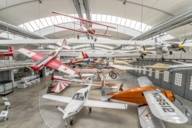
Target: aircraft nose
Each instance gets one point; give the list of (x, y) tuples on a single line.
[(65, 116)]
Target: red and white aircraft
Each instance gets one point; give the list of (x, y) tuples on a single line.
[(10, 52), (49, 61), (83, 58), (86, 27)]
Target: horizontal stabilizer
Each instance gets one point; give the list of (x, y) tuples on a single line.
[(62, 99), (101, 104)]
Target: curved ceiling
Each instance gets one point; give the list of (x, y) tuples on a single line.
[(125, 28), (150, 12), (41, 23), (153, 10)]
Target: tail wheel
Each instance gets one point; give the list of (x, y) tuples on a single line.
[(113, 75), (78, 36), (142, 56), (71, 122)]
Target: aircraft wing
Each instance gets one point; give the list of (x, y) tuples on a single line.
[(84, 20), (101, 104), (63, 99), (164, 109), (100, 34), (59, 66), (53, 64), (123, 67), (34, 56), (75, 30)]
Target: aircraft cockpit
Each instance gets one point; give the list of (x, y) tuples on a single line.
[(78, 96)]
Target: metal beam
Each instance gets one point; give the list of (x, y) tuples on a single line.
[(175, 22), (87, 9), (146, 6), (21, 3), (78, 8), (16, 30)]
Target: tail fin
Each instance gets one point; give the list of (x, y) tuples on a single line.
[(63, 44), (85, 56), (10, 50)]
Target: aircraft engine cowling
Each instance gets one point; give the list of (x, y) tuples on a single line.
[(169, 94)]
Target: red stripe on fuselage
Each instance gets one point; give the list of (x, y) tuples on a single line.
[(37, 57)]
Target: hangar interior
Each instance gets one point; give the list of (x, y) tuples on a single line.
[(95, 63)]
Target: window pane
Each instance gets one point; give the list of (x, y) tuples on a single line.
[(53, 19), (49, 22), (128, 23), (103, 18), (98, 17), (118, 20), (39, 24), (108, 19), (43, 22), (29, 27), (94, 17), (34, 25), (59, 19), (113, 19), (123, 21)]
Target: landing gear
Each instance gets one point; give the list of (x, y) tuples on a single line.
[(90, 110), (71, 122), (88, 37), (162, 59), (113, 75), (78, 36), (170, 52)]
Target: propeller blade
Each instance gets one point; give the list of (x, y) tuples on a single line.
[(144, 48), (184, 41), (183, 50)]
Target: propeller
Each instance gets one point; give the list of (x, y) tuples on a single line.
[(144, 48), (181, 45)]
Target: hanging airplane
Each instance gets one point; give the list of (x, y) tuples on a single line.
[(152, 99), (60, 83), (49, 61), (80, 100), (10, 52), (86, 27)]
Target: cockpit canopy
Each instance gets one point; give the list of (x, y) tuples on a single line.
[(78, 96)]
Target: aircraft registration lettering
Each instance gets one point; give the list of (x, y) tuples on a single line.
[(166, 107)]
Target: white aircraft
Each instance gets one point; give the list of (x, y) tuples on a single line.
[(80, 100)]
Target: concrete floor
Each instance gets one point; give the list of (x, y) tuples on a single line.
[(29, 110)]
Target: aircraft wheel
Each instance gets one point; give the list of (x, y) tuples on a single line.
[(90, 110), (71, 122), (78, 36), (170, 52), (142, 57), (162, 59), (113, 75), (95, 39)]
